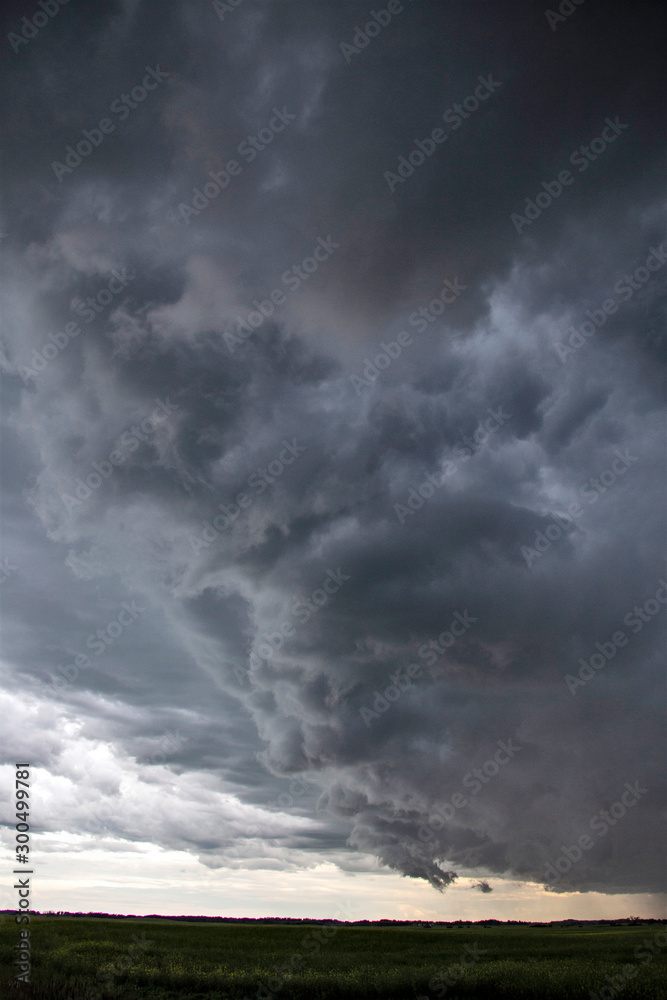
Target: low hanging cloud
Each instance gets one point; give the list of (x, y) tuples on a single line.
[(482, 886)]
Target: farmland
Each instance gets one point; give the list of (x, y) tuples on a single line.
[(160, 959)]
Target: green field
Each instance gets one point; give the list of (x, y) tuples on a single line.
[(160, 959)]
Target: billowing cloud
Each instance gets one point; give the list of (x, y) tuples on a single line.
[(355, 482)]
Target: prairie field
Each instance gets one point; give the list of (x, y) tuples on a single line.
[(73, 958)]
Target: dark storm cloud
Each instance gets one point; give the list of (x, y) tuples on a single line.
[(301, 542), (483, 886)]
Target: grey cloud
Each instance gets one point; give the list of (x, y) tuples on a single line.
[(258, 719)]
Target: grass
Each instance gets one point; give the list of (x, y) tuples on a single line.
[(151, 959)]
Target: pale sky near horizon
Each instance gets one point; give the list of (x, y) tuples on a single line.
[(332, 549)]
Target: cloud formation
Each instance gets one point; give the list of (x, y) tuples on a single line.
[(192, 437)]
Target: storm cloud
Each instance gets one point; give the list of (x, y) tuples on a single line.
[(315, 353)]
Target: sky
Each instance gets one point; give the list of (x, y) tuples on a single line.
[(333, 457)]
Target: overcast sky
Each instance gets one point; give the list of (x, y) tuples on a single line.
[(333, 532)]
